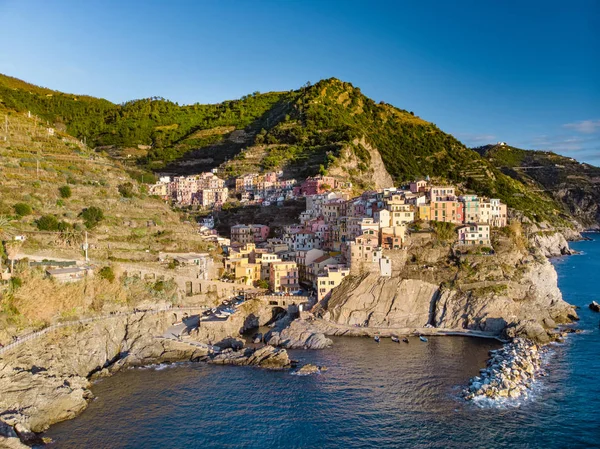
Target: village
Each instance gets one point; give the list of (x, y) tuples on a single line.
[(336, 235)]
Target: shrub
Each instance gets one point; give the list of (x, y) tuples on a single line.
[(126, 190), (47, 223), (107, 273), (64, 226), (22, 209), (65, 192), (443, 230), (262, 284), (92, 216)]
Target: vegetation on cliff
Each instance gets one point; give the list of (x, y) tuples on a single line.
[(329, 126)]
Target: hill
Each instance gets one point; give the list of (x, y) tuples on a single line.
[(48, 179), (574, 185), (329, 127)]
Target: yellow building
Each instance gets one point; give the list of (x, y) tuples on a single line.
[(283, 276), (331, 277), (424, 212)]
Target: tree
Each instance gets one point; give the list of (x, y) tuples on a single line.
[(47, 223), (92, 216), (6, 232), (12, 251), (22, 209), (65, 192), (6, 228)]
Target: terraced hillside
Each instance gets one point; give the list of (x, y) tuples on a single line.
[(329, 127), (575, 185), (48, 181)]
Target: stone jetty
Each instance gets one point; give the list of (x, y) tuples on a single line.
[(510, 372)]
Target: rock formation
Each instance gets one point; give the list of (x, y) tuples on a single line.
[(265, 357), (297, 334), (45, 381), (551, 244), (508, 294), (308, 369)]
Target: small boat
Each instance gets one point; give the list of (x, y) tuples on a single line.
[(422, 338), (405, 340), (376, 338), (395, 339)]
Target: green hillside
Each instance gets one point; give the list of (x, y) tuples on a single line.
[(47, 182), (327, 127), (574, 185)]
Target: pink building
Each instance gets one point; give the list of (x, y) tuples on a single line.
[(418, 186), (254, 233), (317, 185)]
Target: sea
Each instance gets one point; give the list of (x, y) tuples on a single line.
[(386, 395)]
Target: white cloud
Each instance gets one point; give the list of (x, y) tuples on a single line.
[(584, 126)]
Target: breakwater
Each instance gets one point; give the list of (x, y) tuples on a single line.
[(510, 372)]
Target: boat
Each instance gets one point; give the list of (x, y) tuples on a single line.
[(405, 340), (395, 339), (422, 338), (376, 338)]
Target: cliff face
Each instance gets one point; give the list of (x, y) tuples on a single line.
[(45, 381), (382, 302), (510, 295), (551, 244), (528, 307)]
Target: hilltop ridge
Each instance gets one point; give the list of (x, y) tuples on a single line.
[(329, 127)]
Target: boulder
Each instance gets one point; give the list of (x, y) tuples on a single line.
[(12, 443), (310, 369), (265, 357), (595, 306), (231, 343), (297, 334)]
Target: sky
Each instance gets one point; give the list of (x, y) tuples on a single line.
[(523, 72)]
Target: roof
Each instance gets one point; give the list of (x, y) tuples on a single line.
[(322, 258)]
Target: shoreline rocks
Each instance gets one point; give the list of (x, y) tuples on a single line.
[(298, 334), (267, 357), (309, 369), (594, 306), (510, 372)]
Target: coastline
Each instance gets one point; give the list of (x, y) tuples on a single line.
[(341, 330), (104, 346)]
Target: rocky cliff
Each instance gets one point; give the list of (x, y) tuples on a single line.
[(510, 293), (47, 380), (551, 244)]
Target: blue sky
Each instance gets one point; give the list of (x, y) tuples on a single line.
[(524, 72)]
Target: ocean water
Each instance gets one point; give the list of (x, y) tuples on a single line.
[(383, 395)]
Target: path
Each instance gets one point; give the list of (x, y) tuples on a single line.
[(35, 335), (330, 328)]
